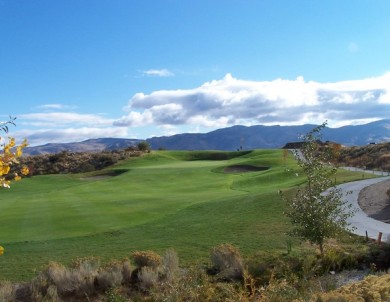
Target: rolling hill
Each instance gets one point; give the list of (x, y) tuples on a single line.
[(233, 138)]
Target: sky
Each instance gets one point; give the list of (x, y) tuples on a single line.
[(72, 70)]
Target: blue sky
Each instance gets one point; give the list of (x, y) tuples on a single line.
[(72, 70)]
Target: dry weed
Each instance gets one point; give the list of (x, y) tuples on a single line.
[(227, 262), (148, 277), (146, 258), (110, 276), (7, 291)]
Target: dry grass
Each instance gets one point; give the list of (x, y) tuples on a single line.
[(372, 288), (170, 265), (110, 276), (163, 280), (7, 291), (227, 262), (148, 277), (146, 258)]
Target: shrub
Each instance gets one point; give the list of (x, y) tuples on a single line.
[(7, 291), (146, 258), (227, 262), (372, 288), (126, 271), (193, 285), (143, 146), (170, 265), (148, 277), (379, 255), (337, 258), (77, 281), (110, 276), (113, 295), (279, 291)]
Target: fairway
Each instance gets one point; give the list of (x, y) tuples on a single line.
[(165, 199)]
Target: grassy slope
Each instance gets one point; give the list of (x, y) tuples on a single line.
[(165, 199)]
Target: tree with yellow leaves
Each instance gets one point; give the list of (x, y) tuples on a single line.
[(9, 156)]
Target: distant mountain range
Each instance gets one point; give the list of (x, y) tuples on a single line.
[(232, 138)]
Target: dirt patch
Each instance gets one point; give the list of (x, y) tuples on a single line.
[(375, 202), (244, 169)]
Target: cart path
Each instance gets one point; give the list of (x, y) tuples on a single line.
[(361, 221)]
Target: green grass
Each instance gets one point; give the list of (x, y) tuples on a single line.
[(165, 199)]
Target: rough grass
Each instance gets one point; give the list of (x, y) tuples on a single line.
[(165, 199)]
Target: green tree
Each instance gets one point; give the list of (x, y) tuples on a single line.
[(318, 210), (143, 146)]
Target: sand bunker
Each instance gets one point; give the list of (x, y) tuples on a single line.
[(244, 169)]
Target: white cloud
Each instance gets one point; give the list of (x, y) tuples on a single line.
[(158, 73), (63, 135), (64, 118), (217, 104), (231, 101), (54, 107), (55, 127)]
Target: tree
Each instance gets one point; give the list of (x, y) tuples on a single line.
[(9, 156), (314, 214), (143, 146)]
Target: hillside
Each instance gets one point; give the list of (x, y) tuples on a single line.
[(90, 145), (371, 157), (232, 138)]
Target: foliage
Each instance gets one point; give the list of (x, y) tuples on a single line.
[(7, 291), (371, 157), (9, 156), (75, 162), (316, 215), (227, 262), (372, 288), (146, 258), (143, 146), (87, 280), (170, 265), (4, 125)]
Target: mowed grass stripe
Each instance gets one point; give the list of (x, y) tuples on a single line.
[(85, 207)]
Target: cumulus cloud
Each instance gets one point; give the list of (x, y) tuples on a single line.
[(158, 73), (60, 127), (64, 135), (232, 101), (64, 118)]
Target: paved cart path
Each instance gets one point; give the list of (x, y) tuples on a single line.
[(361, 221)]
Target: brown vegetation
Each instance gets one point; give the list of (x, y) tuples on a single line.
[(150, 277), (371, 157), (76, 162)]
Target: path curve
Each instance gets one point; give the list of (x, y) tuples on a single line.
[(361, 221)]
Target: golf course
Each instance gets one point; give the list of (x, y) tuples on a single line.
[(186, 200)]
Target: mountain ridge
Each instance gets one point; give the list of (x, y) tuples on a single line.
[(231, 138)]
